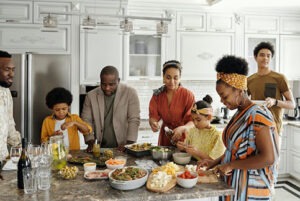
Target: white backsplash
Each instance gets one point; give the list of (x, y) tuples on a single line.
[(199, 88)]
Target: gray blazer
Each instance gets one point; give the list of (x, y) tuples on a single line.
[(126, 114)]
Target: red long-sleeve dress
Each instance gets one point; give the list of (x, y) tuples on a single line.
[(178, 113)]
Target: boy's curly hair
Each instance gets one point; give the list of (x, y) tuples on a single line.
[(58, 95)]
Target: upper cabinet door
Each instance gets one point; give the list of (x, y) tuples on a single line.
[(99, 48), (16, 11), (289, 56), (262, 24), (199, 53), (52, 7), (220, 22), (290, 25), (188, 21)]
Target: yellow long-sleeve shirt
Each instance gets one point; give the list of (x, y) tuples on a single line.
[(49, 125)]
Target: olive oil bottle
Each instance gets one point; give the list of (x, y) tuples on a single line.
[(24, 162)]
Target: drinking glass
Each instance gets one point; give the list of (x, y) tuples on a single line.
[(44, 172), (30, 180), (34, 152), (15, 154)]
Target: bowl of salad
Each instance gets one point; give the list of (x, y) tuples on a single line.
[(162, 152), (128, 178)]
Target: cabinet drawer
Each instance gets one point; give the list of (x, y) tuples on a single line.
[(220, 23), (52, 7), (24, 38), (16, 11), (191, 21), (289, 25), (262, 24)]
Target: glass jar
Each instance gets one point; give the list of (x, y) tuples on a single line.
[(96, 150), (58, 152)]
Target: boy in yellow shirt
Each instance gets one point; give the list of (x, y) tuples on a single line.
[(61, 122)]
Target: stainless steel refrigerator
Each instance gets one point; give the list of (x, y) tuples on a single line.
[(35, 76)]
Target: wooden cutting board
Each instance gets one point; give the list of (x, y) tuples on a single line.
[(164, 189), (207, 177)]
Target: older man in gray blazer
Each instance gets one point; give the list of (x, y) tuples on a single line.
[(113, 110)]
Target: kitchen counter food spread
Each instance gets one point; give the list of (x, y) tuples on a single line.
[(96, 186)]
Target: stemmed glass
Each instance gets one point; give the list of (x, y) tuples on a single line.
[(34, 152), (15, 154)]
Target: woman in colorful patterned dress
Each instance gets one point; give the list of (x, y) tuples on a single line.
[(249, 163), (171, 103)]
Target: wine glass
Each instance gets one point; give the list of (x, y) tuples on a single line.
[(34, 152), (15, 154)]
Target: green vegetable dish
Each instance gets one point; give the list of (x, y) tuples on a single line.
[(129, 173)]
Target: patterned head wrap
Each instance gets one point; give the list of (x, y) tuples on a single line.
[(235, 80), (203, 111)]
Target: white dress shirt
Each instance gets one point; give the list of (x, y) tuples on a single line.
[(8, 133)]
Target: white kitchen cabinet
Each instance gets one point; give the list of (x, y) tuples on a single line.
[(199, 52), (283, 160), (99, 48), (220, 22), (294, 152), (290, 25), (52, 7), (289, 56), (29, 38), (144, 54), (262, 24), (105, 9), (145, 25), (191, 21), (16, 11), (251, 41)]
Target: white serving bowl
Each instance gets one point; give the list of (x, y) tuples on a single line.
[(182, 158), (128, 185), (116, 166), (187, 183), (89, 166)]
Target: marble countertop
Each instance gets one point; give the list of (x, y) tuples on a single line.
[(82, 189)]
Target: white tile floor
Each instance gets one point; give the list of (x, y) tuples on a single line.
[(287, 189)]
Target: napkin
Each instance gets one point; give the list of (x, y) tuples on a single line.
[(9, 165)]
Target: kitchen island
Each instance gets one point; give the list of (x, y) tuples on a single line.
[(96, 190)]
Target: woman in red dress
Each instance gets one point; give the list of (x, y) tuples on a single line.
[(171, 103)]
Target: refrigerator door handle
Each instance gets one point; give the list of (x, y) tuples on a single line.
[(29, 95), (23, 94)]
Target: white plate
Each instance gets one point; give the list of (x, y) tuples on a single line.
[(97, 174)]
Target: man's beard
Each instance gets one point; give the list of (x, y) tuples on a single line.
[(5, 84)]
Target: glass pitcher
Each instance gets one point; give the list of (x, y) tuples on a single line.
[(58, 152)]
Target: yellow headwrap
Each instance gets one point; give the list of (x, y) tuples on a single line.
[(203, 111), (233, 79)]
